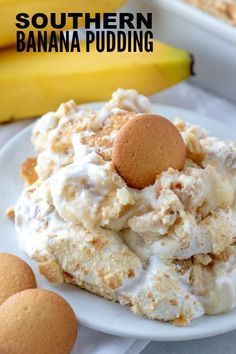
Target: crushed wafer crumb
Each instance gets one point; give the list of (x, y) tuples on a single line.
[(10, 213), (180, 321), (51, 271), (203, 259), (223, 256), (28, 172)]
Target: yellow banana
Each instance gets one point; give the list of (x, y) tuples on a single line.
[(34, 83), (10, 8)]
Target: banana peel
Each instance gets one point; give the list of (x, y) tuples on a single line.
[(10, 8), (34, 83)]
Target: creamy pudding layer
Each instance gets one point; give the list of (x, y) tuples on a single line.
[(167, 250)]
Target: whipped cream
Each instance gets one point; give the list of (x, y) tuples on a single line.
[(89, 191)]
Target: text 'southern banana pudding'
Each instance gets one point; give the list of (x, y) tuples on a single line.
[(167, 250)]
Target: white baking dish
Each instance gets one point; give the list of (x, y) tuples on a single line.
[(212, 42)]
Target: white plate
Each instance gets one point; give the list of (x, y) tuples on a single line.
[(93, 311)]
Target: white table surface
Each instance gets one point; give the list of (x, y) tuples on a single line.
[(186, 96), (225, 344)]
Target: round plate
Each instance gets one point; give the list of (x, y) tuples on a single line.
[(93, 311)]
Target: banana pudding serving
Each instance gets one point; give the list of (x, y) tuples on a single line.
[(133, 208)]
